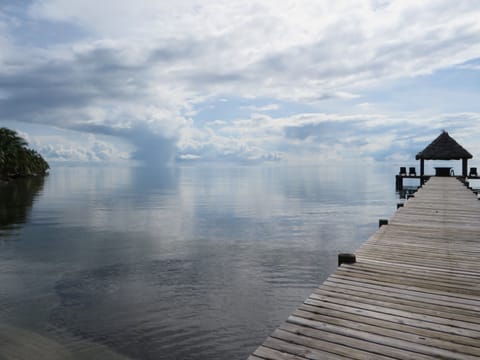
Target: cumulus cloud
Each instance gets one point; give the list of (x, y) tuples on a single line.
[(83, 148), (293, 45), (141, 72), (319, 136), (95, 90)]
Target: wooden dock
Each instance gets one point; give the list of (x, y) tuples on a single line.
[(414, 292)]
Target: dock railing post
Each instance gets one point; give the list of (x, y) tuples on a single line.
[(346, 258)]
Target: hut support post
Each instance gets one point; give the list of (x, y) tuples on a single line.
[(422, 167), (464, 167), (399, 183)]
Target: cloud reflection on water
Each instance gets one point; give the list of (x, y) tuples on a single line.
[(164, 263)]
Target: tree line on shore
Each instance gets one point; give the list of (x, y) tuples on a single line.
[(16, 159)]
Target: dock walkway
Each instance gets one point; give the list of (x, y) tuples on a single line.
[(414, 292)]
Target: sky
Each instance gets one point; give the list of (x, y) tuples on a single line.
[(190, 81)]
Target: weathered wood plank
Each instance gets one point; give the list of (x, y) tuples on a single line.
[(334, 344), (405, 290), (378, 326), (384, 314), (302, 351), (366, 330), (405, 300), (401, 305), (375, 344)]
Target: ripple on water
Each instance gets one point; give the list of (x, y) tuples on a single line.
[(151, 310)]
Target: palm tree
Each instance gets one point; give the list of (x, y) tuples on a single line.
[(16, 159), (8, 136)]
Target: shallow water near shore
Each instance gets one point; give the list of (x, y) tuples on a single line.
[(175, 263)]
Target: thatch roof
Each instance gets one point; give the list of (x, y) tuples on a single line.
[(444, 148)]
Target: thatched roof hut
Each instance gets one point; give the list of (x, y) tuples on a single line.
[(444, 147)]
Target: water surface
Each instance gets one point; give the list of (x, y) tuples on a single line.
[(177, 263)]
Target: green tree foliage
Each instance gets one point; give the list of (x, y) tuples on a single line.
[(16, 159)]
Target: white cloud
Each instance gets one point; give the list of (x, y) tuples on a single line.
[(264, 108), (141, 71), (79, 148), (319, 135), (291, 49), (189, 157)]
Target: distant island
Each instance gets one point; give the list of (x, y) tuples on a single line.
[(16, 159)]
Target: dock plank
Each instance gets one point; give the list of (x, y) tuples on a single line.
[(414, 292)]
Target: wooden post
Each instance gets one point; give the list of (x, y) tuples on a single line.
[(382, 222), (399, 182), (422, 167), (399, 205), (346, 258), (464, 167)]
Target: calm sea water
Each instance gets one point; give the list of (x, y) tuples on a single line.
[(178, 263)]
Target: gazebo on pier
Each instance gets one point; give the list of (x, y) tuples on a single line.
[(444, 147)]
